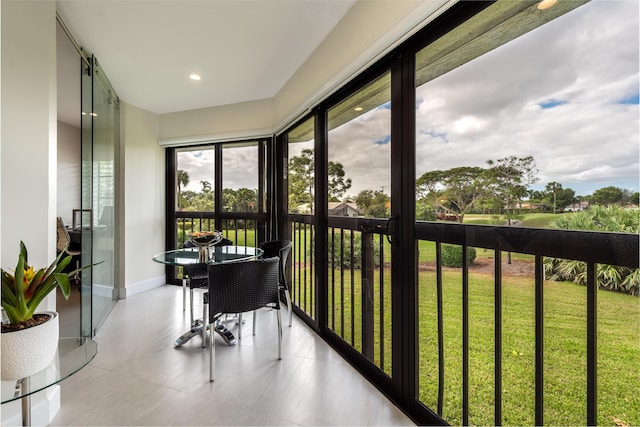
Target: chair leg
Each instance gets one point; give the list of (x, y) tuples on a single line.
[(239, 325), (279, 335), (287, 295), (254, 322), (191, 305), (212, 353), (205, 322), (184, 294)]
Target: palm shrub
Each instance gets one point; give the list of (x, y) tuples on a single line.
[(598, 218), (452, 255)]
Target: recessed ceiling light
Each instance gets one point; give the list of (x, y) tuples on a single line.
[(546, 4), (358, 109), (194, 76)]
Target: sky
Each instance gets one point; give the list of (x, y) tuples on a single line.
[(566, 93)]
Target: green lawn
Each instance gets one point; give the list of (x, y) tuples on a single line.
[(537, 220), (564, 347)]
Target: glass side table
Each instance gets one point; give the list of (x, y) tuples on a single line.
[(72, 355)]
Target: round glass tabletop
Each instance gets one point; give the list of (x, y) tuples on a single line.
[(220, 254), (72, 355)]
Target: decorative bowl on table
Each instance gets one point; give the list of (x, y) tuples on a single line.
[(204, 240)]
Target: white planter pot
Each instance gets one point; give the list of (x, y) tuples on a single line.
[(30, 350)]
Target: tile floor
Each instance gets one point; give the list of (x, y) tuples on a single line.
[(138, 378)]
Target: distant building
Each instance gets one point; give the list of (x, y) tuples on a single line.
[(334, 208), (343, 209), (577, 207)]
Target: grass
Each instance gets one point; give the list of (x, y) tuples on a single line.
[(564, 345), (537, 220)]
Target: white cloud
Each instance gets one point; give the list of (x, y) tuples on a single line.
[(580, 66), (554, 93)]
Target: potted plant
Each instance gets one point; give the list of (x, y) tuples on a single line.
[(29, 339)]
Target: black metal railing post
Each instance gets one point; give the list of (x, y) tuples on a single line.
[(539, 359), (367, 296), (497, 417), (592, 345)]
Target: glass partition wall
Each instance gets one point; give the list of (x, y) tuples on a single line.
[(97, 217)]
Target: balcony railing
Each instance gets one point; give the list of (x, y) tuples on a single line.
[(242, 228), (359, 299)]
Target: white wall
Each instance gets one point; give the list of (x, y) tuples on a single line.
[(29, 126), (143, 208), (227, 122), (69, 171), (29, 150)]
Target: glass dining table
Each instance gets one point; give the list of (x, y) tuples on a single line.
[(190, 256)]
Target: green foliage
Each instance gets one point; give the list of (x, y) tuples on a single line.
[(558, 197), (342, 255), (455, 190), (425, 211), (240, 200), (24, 290), (511, 177), (337, 184), (452, 255), (182, 180), (301, 180), (607, 196), (597, 218), (600, 218), (373, 204)]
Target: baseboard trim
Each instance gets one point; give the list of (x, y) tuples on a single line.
[(44, 407), (145, 285)]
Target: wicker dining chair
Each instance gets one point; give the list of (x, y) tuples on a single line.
[(239, 287), (280, 249), (197, 275)]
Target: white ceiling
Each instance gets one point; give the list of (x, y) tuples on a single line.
[(244, 49)]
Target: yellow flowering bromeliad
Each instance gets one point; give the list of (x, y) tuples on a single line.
[(23, 291)]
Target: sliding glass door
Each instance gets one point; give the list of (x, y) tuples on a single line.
[(100, 132)]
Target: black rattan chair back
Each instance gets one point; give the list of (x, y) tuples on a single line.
[(238, 287), (280, 249)]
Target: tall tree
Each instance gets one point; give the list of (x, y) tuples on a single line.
[(512, 175), (373, 203), (565, 197), (246, 200), (607, 196), (337, 184), (182, 180), (552, 188), (454, 190), (301, 180)]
